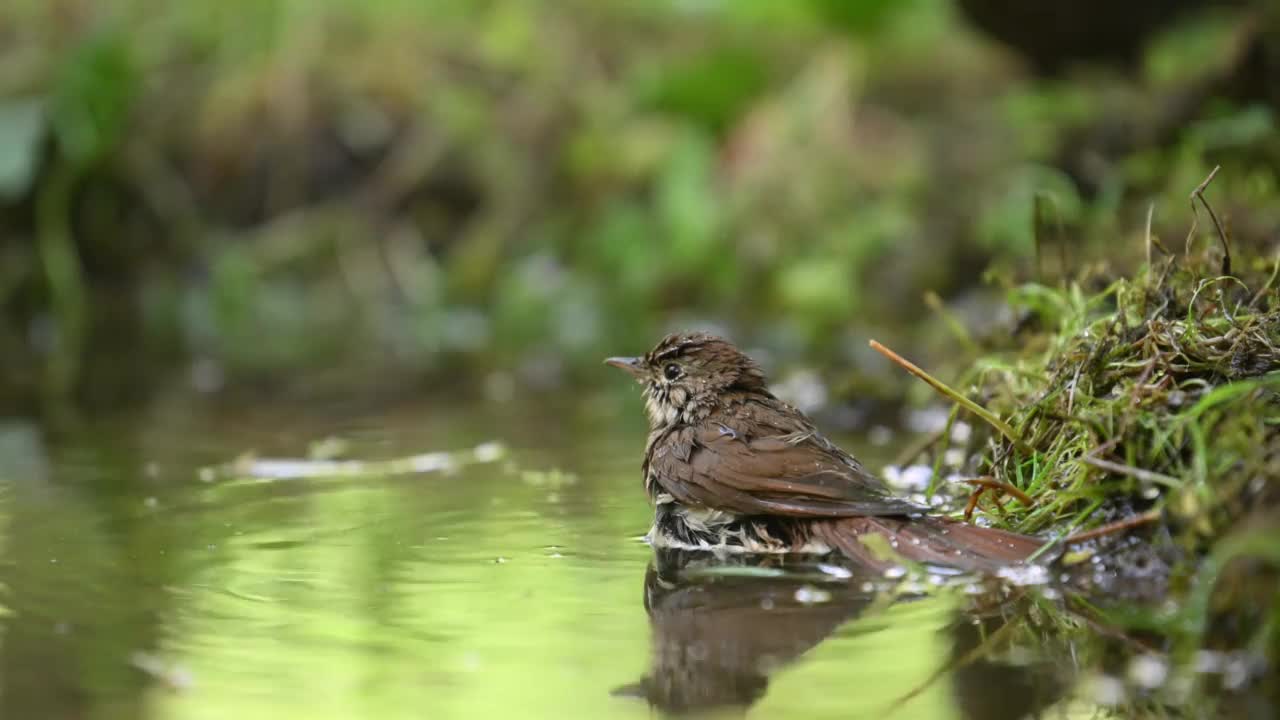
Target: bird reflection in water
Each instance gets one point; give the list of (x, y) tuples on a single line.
[(718, 632)]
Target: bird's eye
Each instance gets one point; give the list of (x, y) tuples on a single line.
[(671, 371)]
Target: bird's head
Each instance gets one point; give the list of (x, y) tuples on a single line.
[(685, 375)]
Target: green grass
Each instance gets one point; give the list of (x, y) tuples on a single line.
[(1163, 384), (1160, 388), (1146, 404)]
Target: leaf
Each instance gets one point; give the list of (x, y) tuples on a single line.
[(712, 88), (687, 204), (1007, 221), (818, 287), (22, 128), (93, 97), (858, 18)]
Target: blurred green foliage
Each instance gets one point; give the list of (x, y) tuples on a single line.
[(21, 122), (283, 184)]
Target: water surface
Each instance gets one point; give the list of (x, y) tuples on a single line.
[(135, 588)]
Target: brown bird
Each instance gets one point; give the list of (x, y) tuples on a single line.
[(730, 467)]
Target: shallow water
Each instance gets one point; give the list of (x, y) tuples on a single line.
[(132, 587)]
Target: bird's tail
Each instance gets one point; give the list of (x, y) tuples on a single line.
[(932, 540)]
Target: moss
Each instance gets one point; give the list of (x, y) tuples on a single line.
[(1137, 424), (1160, 390)]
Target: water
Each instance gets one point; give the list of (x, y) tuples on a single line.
[(132, 588)]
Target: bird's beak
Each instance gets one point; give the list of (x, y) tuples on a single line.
[(634, 690), (633, 365)]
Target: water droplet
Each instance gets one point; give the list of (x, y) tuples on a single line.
[(1107, 690), (489, 452), (810, 595), (835, 571), (1208, 661), (1235, 674)]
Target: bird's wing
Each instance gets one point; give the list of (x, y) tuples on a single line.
[(768, 470)]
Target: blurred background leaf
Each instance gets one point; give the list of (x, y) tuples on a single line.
[(434, 188), (22, 128), (92, 97)]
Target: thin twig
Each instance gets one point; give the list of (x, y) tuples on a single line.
[(1037, 224), (1071, 396), (953, 324), (1130, 471), (1128, 523), (952, 395), (1144, 375), (913, 451), (972, 503), (991, 483), (1089, 616), (983, 648), (1151, 209), (1263, 290), (1222, 234)]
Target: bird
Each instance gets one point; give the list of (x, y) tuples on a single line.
[(729, 467)]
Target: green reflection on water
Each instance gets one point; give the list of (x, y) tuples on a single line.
[(478, 594)]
